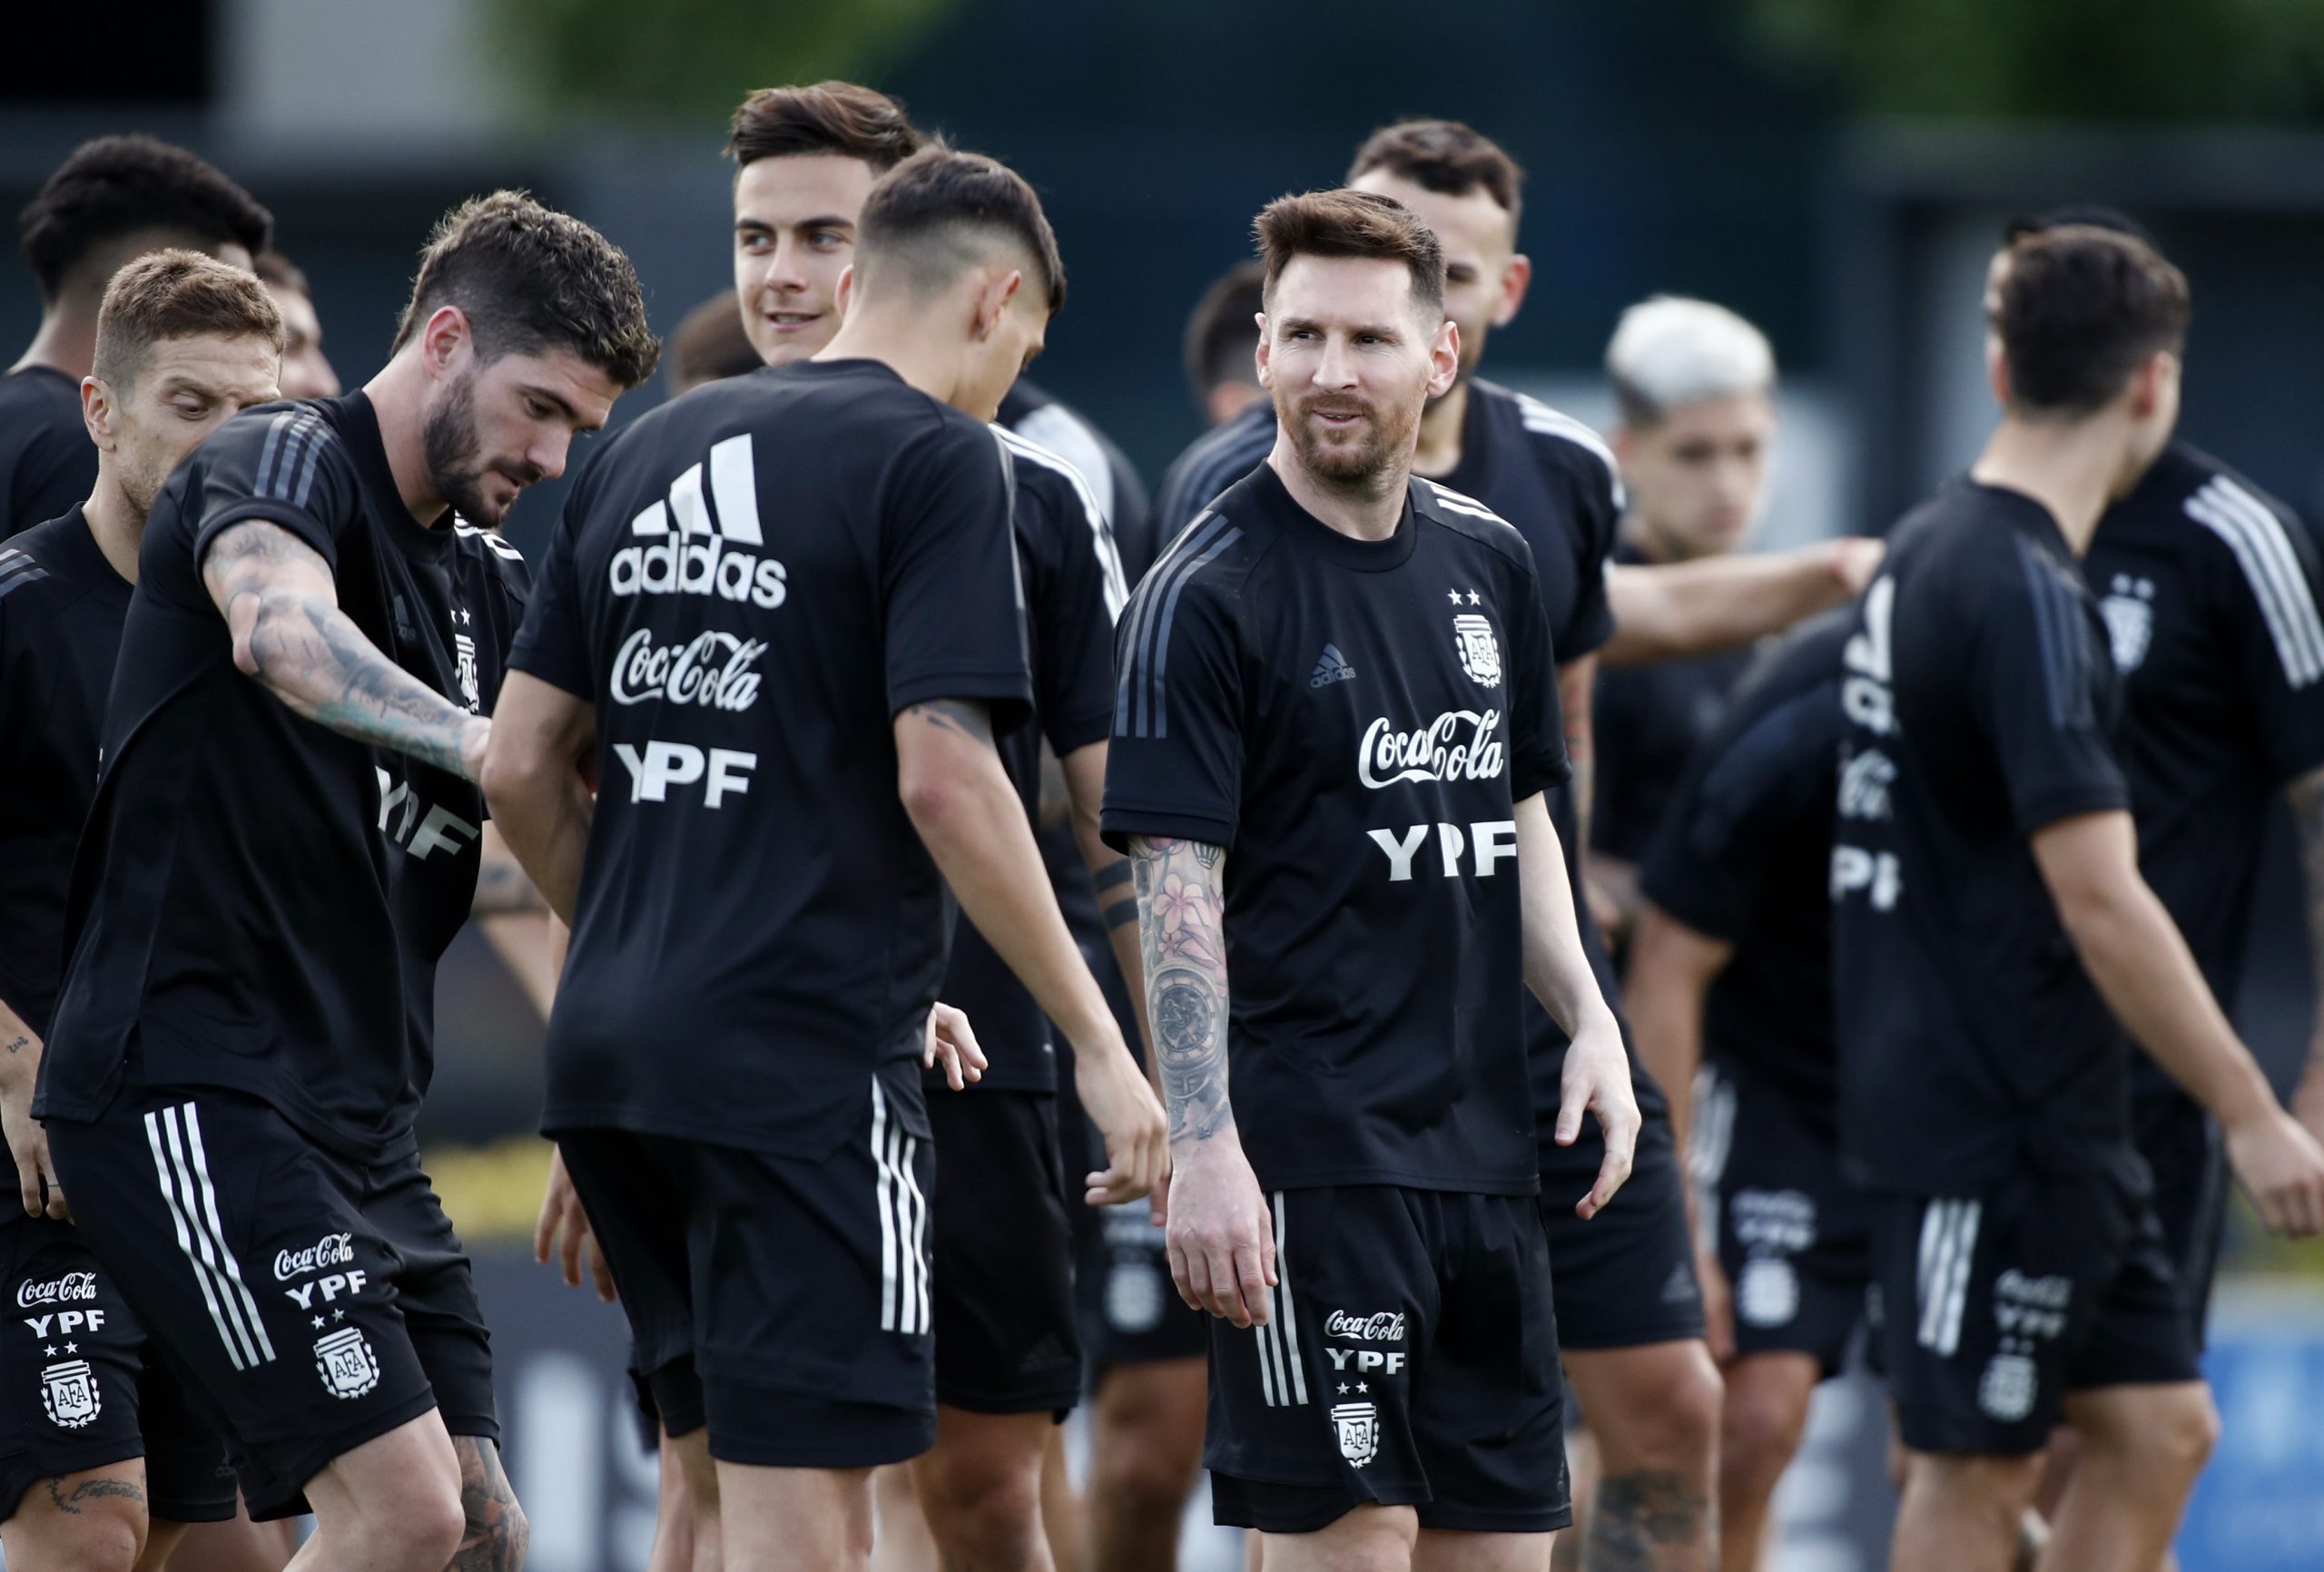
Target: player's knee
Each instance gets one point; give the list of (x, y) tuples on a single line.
[(2176, 1435), (82, 1533), (983, 1497), (1969, 1484), (1759, 1433), (1672, 1422)]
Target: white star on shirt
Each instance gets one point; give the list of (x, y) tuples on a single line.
[(1473, 598), (465, 617), (1343, 1384), (319, 1321), (339, 1315), (71, 1348), (1362, 1386), (50, 1352), (1453, 595)]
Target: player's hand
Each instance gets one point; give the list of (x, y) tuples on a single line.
[(1220, 1240), (952, 1043), (564, 1228), (1123, 1106), (1855, 558), (27, 1141), (1598, 1078), (2283, 1167), (2307, 1097), (475, 735), (1718, 1307)]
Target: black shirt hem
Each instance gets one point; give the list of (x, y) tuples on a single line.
[(1118, 824)]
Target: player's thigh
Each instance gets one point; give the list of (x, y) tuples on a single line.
[(436, 1288), (1146, 1420), (1007, 1336), (1451, 1550), (1625, 1277), (93, 1520), (813, 1293), (242, 1248)]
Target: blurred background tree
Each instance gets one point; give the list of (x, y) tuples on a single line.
[(2113, 60)]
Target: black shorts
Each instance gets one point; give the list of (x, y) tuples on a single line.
[(2181, 1145), (1130, 1310), (1794, 1236), (1992, 1308), (1626, 1277), (785, 1303), (1006, 1342), (84, 1389), (1412, 1359), (314, 1302)]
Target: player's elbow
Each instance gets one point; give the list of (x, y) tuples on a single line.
[(936, 796), (518, 781)]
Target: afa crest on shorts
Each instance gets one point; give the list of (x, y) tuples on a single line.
[(346, 1362), (1358, 1425), (1479, 650), (68, 1392), (2007, 1390)]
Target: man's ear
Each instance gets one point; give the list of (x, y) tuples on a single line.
[(1445, 358), (845, 294), (2148, 381), (993, 296), (445, 341), (101, 413), (1259, 354), (1516, 277)]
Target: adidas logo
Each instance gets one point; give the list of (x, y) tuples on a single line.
[(1680, 1289), (700, 556), (1331, 667)]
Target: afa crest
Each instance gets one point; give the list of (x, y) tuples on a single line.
[(2129, 611), (69, 1392), (1358, 1425), (1479, 650), (346, 1362)]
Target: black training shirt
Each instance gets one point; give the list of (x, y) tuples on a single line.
[(1980, 701), (1353, 722), (1645, 723), (1073, 591), (1741, 856), (2210, 588), (1036, 415), (47, 462), (453, 630), (232, 922), (750, 583)]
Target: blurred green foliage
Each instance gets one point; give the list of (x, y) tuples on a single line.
[(2119, 60), (681, 57)]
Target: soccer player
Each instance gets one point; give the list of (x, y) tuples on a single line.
[(807, 1355), (710, 343), (1730, 974), (1220, 332), (183, 342), (1335, 718), (114, 198), (1696, 386), (307, 372), (1990, 913), (236, 1141)]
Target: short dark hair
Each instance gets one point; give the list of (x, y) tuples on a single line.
[(1219, 335), (274, 268), (2079, 310), (116, 186), (829, 117), (710, 345), (1351, 223), (177, 294), (530, 277), (2090, 215), (1444, 156), (937, 194)]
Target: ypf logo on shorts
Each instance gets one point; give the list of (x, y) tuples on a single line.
[(346, 1362), (1358, 1425), (69, 1393)]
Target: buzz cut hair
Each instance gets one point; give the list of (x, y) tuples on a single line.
[(843, 119), (177, 294), (1446, 157), (1351, 223), (933, 215), (2079, 310), (115, 187), (1671, 350), (530, 279)]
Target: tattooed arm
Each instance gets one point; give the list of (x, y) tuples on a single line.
[(1220, 1244), (2307, 795), (20, 1050), (281, 605), (973, 822)]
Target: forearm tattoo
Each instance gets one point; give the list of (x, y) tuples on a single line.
[(1183, 942), (313, 655), (2307, 795), (496, 1531), (1117, 901)]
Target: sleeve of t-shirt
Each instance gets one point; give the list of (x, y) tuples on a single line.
[(1174, 768), (1537, 756), (953, 602), (1720, 848), (2037, 693), (1592, 494), (2266, 585), (1074, 605), (288, 468), (553, 642)]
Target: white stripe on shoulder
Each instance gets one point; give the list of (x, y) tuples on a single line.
[(1453, 501), (1109, 558), (2256, 535), (1538, 416), (1059, 430)]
